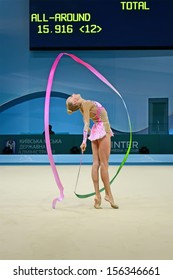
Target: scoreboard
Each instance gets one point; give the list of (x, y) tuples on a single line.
[(100, 24)]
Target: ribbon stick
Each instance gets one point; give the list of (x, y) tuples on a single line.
[(46, 112)]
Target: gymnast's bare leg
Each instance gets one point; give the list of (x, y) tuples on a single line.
[(104, 148), (95, 173)]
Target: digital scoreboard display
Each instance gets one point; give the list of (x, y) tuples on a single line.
[(100, 24)]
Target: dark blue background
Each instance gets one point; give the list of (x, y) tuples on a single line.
[(120, 29)]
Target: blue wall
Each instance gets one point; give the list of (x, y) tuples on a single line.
[(137, 75)]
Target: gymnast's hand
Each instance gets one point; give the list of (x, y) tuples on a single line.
[(83, 147)]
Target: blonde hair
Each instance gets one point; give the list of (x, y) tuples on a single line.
[(71, 107)]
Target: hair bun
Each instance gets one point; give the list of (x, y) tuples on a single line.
[(69, 111)]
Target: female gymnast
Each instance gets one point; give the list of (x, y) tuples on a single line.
[(100, 136)]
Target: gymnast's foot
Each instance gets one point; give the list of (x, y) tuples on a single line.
[(97, 202), (111, 201)]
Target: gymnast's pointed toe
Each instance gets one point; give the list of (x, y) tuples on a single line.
[(97, 203), (112, 203)]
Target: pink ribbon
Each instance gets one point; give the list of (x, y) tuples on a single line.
[(46, 128), (46, 114)]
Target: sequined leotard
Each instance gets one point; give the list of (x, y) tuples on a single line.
[(97, 113)]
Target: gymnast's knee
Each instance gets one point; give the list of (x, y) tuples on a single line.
[(96, 164), (104, 164)]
